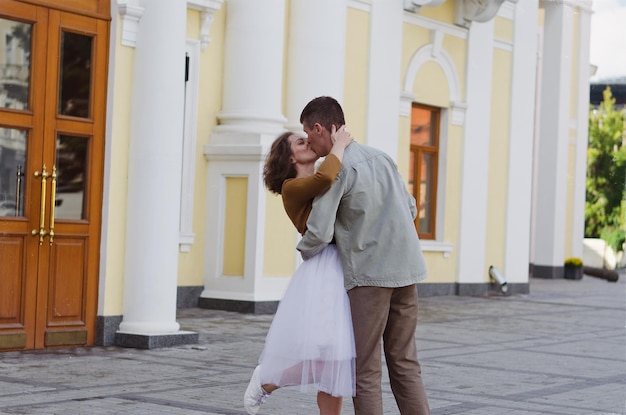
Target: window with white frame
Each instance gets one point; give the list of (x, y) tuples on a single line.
[(423, 166)]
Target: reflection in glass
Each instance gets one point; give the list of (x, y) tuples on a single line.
[(71, 163), (75, 75), (421, 132), (15, 47), (412, 175), (426, 190), (12, 167)]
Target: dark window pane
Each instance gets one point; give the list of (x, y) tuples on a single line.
[(15, 64), (13, 145), (71, 177), (75, 75)]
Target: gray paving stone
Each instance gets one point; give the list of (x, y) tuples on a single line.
[(559, 350)]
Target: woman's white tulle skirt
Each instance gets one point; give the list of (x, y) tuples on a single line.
[(310, 343)]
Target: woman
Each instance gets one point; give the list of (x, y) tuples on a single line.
[(310, 343)]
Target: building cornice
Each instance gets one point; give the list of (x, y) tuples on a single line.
[(131, 15), (207, 9), (583, 5)]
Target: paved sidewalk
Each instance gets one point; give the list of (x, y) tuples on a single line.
[(561, 350)]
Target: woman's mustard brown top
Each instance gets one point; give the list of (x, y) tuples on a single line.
[(298, 193)]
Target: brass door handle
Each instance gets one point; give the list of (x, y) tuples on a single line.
[(42, 212), (53, 196)]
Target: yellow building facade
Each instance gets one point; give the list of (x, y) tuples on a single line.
[(483, 107)]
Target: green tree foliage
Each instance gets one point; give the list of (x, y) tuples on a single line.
[(605, 205)]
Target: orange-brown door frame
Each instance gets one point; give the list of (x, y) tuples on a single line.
[(53, 281)]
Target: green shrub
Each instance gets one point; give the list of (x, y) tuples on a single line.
[(614, 237)]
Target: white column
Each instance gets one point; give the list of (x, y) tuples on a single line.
[(518, 206), (582, 133), (473, 222), (385, 59), (154, 170), (553, 143), (315, 54), (253, 67)]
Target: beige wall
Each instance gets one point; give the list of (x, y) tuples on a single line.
[(235, 226), (443, 13), (355, 88), (116, 223), (503, 28)]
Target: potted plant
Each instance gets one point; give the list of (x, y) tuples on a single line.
[(573, 269)]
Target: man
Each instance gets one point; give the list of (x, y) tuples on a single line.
[(370, 214)]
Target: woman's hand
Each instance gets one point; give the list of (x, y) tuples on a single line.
[(341, 139)]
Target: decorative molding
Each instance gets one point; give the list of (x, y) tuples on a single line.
[(425, 54), (443, 59), (503, 44), (428, 245), (130, 15), (185, 240), (406, 101), (583, 5), (233, 153), (458, 110), (507, 10), (186, 235), (415, 6), (436, 39), (431, 24), (207, 9), (468, 11), (364, 5)]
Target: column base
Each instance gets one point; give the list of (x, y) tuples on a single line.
[(239, 306), (155, 341), (547, 271), (469, 289), (106, 327)]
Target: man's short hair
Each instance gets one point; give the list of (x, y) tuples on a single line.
[(323, 110)]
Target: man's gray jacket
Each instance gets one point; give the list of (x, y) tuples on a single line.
[(370, 213)]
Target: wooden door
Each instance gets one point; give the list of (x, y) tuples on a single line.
[(52, 113)]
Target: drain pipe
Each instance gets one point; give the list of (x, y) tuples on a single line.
[(498, 278)]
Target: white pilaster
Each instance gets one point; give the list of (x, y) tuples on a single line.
[(154, 170), (250, 120), (518, 205), (582, 134), (383, 96), (315, 54), (473, 222), (553, 143), (252, 286)]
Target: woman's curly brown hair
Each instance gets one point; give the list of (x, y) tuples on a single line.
[(278, 166)]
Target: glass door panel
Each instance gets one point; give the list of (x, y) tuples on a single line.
[(13, 147), (71, 156), (75, 75), (15, 52)]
